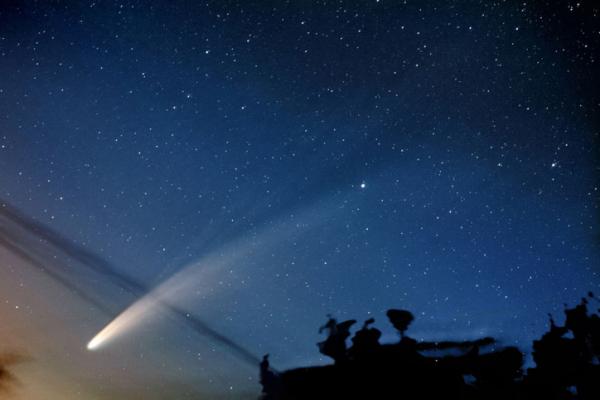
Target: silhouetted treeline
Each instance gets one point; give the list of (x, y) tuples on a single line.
[(567, 365)]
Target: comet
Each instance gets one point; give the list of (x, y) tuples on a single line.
[(31, 241), (203, 275), (123, 322), (199, 276)]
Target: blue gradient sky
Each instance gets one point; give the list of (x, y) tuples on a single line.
[(438, 157)]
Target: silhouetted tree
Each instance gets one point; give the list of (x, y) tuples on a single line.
[(567, 365), (334, 345), (400, 319), (366, 341)]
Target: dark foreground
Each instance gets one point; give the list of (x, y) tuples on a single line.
[(567, 365)]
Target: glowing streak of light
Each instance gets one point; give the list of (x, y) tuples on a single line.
[(126, 320), (200, 277), (176, 288)]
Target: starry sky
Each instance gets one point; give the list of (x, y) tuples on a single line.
[(300, 158)]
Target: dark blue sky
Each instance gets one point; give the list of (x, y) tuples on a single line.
[(355, 156)]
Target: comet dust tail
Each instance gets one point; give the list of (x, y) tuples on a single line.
[(124, 321)]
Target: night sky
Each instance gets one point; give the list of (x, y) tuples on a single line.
[(294, 159)]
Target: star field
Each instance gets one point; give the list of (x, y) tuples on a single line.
[(436, 156)]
